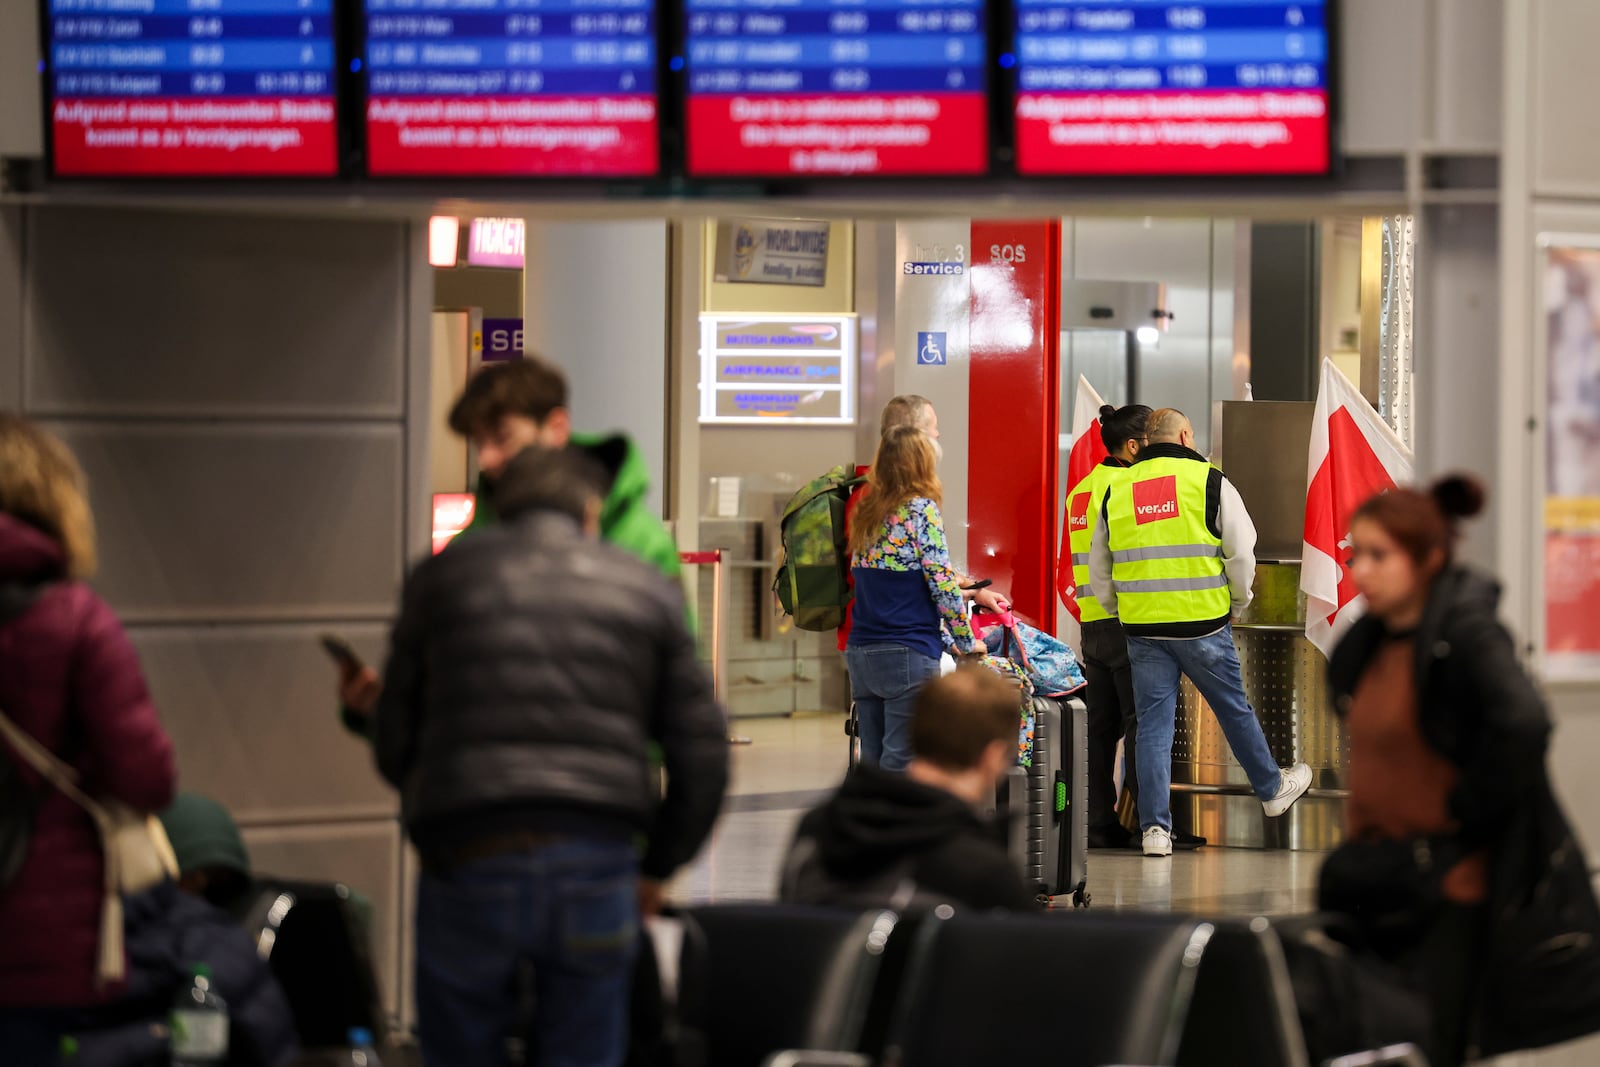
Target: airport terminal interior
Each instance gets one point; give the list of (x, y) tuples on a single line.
[(248, 309)]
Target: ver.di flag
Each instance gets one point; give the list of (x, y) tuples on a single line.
[(1354, 455), (1087, 452)]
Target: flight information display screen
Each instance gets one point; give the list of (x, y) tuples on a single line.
[(1130, 87), (501, 88), (192, 88), (808, 88)]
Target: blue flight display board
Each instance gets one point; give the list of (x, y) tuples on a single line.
[(501, 88), (1156, 87), (805, 88), (192, 88)]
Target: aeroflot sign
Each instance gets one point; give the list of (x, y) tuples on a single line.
[(1155, 499)]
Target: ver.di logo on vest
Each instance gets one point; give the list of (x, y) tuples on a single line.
[(1155, 499), (1078, 512)]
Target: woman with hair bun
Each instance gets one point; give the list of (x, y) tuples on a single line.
[(1459, 878)]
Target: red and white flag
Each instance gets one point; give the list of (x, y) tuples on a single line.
[(1087, 452), (1354, 455)]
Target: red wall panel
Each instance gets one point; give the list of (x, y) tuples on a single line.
[(1015, 411)]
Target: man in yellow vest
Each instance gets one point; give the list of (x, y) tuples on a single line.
[(1174, 557)]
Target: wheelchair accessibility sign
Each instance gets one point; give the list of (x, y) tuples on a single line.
[(930, 350)]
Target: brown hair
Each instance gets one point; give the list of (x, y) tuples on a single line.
[(907, 409), (905, 467), (42, 485), (1423, 523), (530, 386), (956, 718)]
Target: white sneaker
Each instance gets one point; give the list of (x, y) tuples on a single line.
[(1157, 842), (1296, 780)]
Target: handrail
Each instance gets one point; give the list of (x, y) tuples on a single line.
[(713, 558)]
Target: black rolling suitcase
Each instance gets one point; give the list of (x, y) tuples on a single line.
[(1048, 803)]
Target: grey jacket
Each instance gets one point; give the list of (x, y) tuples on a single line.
[(529, 672)]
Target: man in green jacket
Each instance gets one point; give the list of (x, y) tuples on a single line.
[(505, 408)]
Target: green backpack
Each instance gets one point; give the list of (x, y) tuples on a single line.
[(813, 583)]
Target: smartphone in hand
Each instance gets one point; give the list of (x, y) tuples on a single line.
[(342, 652)]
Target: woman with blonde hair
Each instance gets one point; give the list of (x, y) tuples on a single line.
[(906, 595), (70, 679)]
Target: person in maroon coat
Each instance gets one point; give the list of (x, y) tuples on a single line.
[(70, 678)]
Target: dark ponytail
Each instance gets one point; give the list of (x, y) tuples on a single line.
[(1118, 426), (1459, 496)]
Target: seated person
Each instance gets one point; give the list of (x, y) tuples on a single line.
[(169, 932), (213, 862), (915, 840)]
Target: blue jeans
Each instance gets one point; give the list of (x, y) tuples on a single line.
[(1212, 664), (570, 910), (884, 680)]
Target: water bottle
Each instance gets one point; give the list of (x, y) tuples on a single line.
[(362, 1053), (199, 1023)]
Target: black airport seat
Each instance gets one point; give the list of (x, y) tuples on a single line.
[(313, 939), (753, 980), (1080, 992), (1243, 965)]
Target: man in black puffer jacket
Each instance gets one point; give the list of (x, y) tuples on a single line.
[(529, 672)]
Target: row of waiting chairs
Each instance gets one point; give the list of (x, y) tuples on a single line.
[(791, 987)]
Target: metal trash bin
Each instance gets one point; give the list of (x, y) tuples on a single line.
[(1285, 680)]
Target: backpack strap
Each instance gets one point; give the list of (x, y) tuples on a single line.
[(47, 764)]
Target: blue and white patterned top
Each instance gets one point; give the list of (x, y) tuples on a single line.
[(906, 591)]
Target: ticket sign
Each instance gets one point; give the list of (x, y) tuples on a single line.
[(192, 88), (1130, 87), (796, 369), (804, 88), (497, 242), (536, 88)]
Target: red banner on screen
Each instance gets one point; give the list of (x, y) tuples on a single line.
[(195, 137), (833, 134), (574, 136), (1218, 132)]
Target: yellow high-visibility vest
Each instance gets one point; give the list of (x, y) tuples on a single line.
[(1166, 562), (1083, 515)]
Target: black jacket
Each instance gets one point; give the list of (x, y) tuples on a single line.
[(1540, 975), (530, 669), (168, 931), (884, 840)]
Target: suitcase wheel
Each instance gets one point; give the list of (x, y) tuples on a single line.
[(1081, 898)]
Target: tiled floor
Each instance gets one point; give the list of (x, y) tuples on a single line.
[(791, 763)]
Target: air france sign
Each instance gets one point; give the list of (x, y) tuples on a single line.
[(795, 369)]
